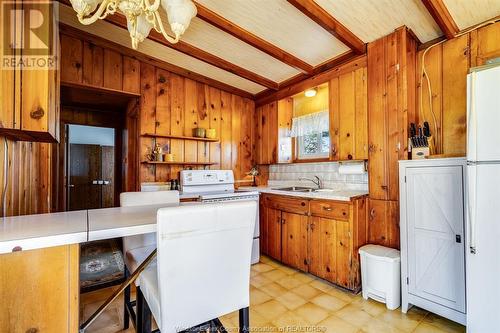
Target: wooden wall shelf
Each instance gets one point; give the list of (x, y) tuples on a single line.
[(178, 163), (179, 137)]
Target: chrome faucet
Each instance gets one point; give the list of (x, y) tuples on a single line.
[(316, 181)]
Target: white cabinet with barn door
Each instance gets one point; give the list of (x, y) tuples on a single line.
[(432, 236)]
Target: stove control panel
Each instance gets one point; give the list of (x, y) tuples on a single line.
[(206, 177)]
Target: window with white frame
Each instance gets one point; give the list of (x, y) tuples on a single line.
[(312, 135)]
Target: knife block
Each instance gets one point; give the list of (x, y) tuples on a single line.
[(418, 153)]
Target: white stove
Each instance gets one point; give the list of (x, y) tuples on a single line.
[(218, 186)]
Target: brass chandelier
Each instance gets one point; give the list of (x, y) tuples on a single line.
[(142, 15)]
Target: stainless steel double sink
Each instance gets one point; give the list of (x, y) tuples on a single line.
[(303, 189), (295, 189)]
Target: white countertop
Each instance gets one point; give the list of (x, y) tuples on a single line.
[(43, 230), (31, 232), (338, 195), (116, 222)]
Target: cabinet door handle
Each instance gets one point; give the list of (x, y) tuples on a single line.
[(372, 213), (328, 209), (283, 221)]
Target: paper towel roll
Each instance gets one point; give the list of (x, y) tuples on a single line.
[(352, 168)]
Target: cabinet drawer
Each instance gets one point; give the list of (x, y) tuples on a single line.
[(329, 209), (287, 204)]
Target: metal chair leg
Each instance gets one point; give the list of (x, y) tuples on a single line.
[(244, 315), (143, 314), (126, 301)]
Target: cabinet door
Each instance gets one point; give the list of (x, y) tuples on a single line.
[(377, 131), (40, 290), (10, 80), (285, 113), (263, 228), (435, 233), (273, 233), (40, 87), (349, 116), (383, 223), (322, 248), (343, 254), (267, 134), (294, 240)]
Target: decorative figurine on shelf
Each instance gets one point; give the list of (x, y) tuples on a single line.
[(254, 172), (158, 153), (150, 156)]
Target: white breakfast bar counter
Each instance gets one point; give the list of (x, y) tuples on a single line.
[(40, 262), (39, 231)]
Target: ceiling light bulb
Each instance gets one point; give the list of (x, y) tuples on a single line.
[(310, 92), (84, 7), (179, 14), (139, 29)]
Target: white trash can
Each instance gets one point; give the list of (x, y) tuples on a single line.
[(381, 274)]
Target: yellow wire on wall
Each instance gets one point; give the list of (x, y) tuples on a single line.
[(424, 74)]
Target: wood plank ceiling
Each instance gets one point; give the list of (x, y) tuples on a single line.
[(260, 46)]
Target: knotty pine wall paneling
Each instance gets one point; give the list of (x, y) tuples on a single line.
[(29, 177), (82, 62), (447, 65), (171, 104)]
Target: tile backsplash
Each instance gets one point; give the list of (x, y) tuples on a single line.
[(328, 172)]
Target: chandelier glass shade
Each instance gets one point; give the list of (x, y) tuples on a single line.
[(142, 15)]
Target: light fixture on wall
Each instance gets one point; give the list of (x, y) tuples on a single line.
[(311, 92), (142, 15)]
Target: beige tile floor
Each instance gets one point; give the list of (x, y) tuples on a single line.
[(285, 300)]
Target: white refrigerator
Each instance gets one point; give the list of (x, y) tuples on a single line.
[(483, 200)]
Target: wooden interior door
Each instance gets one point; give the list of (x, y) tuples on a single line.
[(294, 240), (273, 233), (84, 167), (435, 231), (91, 176)]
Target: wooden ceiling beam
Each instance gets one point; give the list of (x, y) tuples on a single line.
[(220, 22), (192, 51), (442, 16), (99, 41), (316, 13), (330, 69)]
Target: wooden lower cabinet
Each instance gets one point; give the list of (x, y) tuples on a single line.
[(270, 226), (294, 240), (383, 223), (313, 241), (39, 290), (322, 254)]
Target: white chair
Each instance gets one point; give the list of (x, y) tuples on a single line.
[(137, 248), (203, 265)]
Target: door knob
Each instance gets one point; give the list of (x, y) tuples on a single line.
[(458, 238)]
